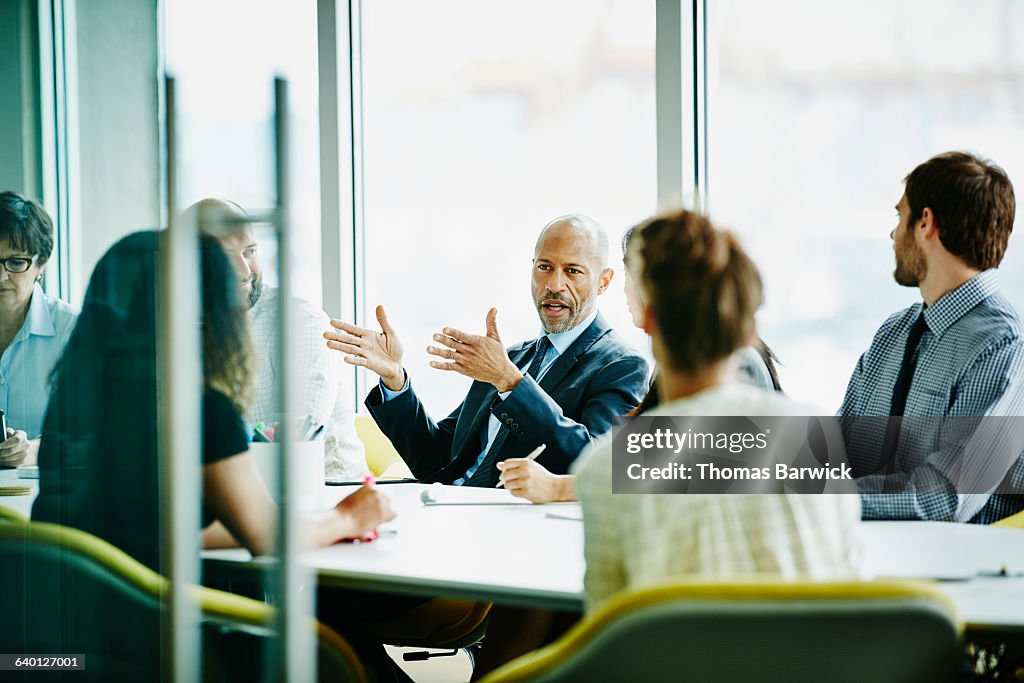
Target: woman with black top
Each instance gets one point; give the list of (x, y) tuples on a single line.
[(98, 459)]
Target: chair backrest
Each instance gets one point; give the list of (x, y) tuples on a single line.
[(71, 592), (380, 453), (857, 631), (9, 514), (1015, 521)]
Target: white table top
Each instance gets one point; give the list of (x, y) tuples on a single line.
[(941, 550), (508, 550), (518, 554)]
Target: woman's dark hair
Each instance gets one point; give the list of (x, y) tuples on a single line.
[(26, 225), (117, 328), (99, 456)]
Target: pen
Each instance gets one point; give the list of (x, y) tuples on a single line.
[(532, 456), (306, 428), (372, 534), (318, 432)]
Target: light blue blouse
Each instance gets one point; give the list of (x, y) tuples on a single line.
[(26, 364)]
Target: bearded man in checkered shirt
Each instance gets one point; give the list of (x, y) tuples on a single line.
[(952, 365), (323, 395)]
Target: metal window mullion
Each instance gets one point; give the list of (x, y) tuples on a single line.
[(56, 273), (180, 423), (62, 181), (679, 75), (295, 653), (700, 105), (342, 270), (355, 39)]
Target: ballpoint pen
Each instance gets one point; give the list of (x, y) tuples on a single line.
[(532, 456)]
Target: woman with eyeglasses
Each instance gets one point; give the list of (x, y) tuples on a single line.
[(33, 326)]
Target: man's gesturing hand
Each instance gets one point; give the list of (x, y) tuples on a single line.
[(481, 358), (380, 352)]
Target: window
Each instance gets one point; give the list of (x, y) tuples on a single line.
[(225, 56), (482, 122), (817, 111)]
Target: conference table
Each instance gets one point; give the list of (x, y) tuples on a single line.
[(487, 545)]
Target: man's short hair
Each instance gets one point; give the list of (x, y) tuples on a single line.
[(703, 288), (26, 225), (973, 203)]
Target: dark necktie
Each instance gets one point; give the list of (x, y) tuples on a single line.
[(539, 355), (899, 394), (902, 387), (486, 474)]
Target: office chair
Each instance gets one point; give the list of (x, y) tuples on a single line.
[(436, 624), (9, 514), (381, 456), (1015, 521), (70, 592), (761, 631)]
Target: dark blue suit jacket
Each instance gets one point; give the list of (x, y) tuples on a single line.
[(597, 380)]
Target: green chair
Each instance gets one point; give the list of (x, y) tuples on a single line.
[(875, 631), (9, 514), (69, 592)]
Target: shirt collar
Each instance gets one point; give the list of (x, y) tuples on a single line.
[(266, 301), (38, 321), (563, 340), (953, 305)]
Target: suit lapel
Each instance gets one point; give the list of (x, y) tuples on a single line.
[(567, 361)]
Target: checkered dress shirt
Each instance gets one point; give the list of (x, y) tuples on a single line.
[(323, 396), (970, 362)]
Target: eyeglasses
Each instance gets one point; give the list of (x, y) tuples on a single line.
[(18, 264)]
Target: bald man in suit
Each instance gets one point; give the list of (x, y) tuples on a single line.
[(562, 390)]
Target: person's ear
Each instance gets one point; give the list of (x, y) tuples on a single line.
[(926, 224), (604, 279)]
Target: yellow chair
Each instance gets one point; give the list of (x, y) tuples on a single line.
[(76, 593), (1013, 521), (761, 631), (381, 456)]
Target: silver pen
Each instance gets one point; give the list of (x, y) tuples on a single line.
[(532, 456)]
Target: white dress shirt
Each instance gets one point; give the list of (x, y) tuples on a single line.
[(26, 364)]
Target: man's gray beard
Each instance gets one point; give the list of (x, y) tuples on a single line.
[(255, 291), (578, 316)]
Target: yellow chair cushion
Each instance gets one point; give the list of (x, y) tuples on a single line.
[(381, 456)]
